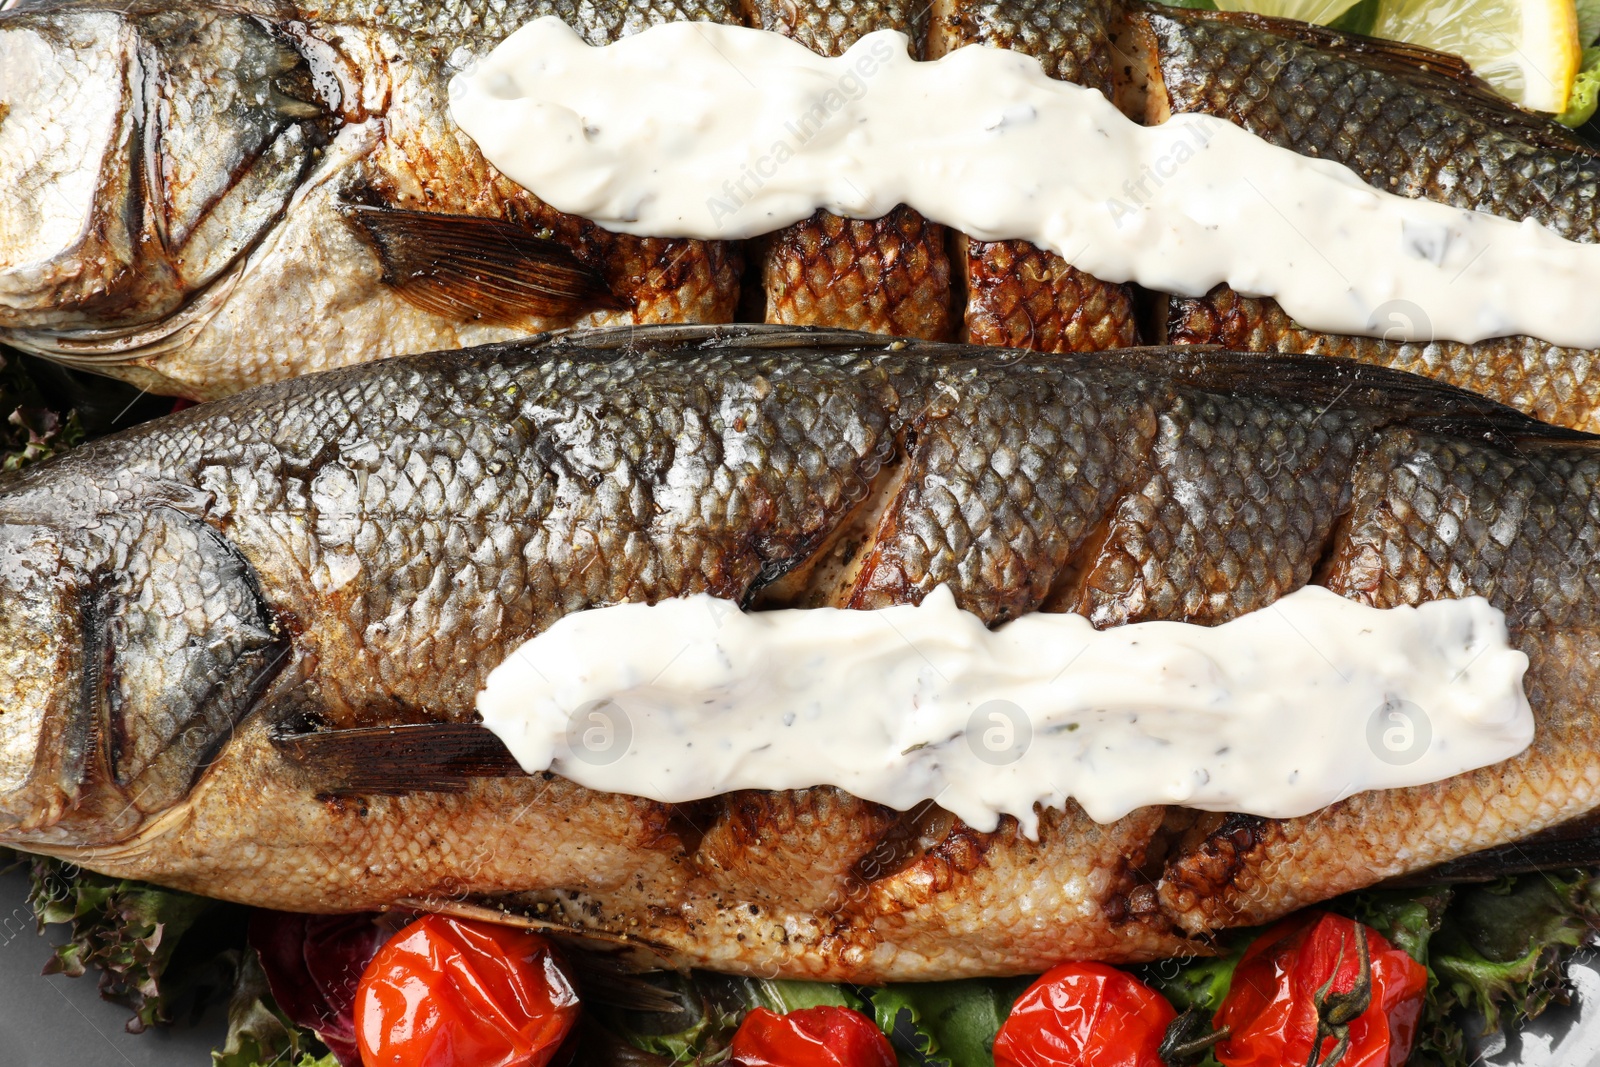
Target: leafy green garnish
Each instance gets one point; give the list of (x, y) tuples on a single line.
[(713, 1005), (29, 430), (944, 1024), (1588, 22), (1497, 950), (1407, 917), (1199, 982), (1581, 105), (1504, 951), (128, 930), (260, 1035), (1360, 17)]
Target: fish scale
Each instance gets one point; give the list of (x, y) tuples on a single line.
[(637, 464), (1548, 381), (1018, 295), (888, 275), (1402, 140)]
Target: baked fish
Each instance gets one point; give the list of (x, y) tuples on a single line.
[(319, 191), (240, 645)]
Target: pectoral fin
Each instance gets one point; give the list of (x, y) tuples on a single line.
[(472, 268), (393, 760)]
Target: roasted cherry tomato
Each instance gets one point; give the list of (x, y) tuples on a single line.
[(1084, 1015), (810, 1037), (1308, 974), (449, 993)]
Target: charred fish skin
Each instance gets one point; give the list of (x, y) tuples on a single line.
[(1404, 128), (1019, 295), (889, 275), (360, 548)]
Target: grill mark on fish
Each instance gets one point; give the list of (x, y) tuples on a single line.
[(888, 275), (631, 441), (1016, 294)]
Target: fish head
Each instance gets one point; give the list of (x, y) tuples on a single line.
[(142, 155), (132, 644)]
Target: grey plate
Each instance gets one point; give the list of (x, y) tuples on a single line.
[(62, 1022), (1568, 1035)]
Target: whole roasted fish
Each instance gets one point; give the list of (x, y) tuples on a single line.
[(183, 192), (240, 645)]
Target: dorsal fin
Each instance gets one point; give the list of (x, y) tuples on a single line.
[(472, 268), (1306, 378)]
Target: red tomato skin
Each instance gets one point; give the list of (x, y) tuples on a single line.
[(824, 1036), (452, 993), (1270, 1004), (1084, 1015)]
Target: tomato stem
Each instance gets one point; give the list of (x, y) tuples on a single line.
[(1336, 1011), (1189, 1037)]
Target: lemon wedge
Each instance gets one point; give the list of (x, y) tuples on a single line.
[(1527, 49)]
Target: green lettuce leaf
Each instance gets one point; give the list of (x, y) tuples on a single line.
[(129, 930), (1588, 22), (1361, 17), (259, 1035), (1504, 947), (712, 1006), (944, 1024), (30, 431), (1498, 950), (1585, 91)]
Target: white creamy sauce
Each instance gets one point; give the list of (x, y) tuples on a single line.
[(1276, 713), (708, 131)]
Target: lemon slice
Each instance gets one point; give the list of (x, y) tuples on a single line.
[(1527, 49)]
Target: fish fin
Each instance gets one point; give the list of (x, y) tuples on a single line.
[(1430, 70), (471, 268), (1571, 844), (699, 337), (1303, 378), (1317, 380), (440, 757), (609, 963)]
